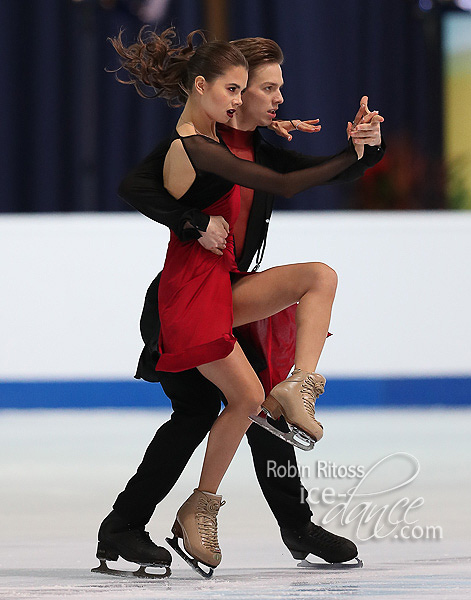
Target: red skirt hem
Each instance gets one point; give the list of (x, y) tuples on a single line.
[(197, 355)]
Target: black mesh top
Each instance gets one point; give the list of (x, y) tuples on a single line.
[(207, 187)]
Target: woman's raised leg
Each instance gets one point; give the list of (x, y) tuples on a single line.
[(312, 286)]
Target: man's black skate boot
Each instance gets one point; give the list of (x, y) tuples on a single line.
[(116, 538), (313, 539)]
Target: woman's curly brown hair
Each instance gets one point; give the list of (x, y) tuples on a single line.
[(153, 61)]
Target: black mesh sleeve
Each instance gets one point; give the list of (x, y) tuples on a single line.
[(289, 160), (207, 155), (143, 189)]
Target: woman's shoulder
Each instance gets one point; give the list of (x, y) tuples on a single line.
[(185, 130)]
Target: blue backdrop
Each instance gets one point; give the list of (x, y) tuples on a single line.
[(70, 131)]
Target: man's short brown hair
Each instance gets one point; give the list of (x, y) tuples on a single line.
[(259, 51)]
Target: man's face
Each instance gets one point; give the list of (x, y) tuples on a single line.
[(262, 95)]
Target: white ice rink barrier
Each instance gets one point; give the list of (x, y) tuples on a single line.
[(73, 288)]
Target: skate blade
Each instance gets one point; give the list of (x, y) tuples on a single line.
[(104, 569), (296, 437), (306, 564), (173, 543)]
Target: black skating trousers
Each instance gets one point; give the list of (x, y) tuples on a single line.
[(174, 443)]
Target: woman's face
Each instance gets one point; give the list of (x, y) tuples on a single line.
[(263, 95), (221, 97)]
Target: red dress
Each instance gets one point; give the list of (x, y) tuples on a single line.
[(195, 297)]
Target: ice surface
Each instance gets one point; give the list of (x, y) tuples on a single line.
[(61, 470)]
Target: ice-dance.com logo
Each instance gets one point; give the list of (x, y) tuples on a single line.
[(374, 503)]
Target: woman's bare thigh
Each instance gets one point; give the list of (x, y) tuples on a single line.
[(260, 295), (236, 379)]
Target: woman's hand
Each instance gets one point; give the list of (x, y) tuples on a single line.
[(214, 238), (282, 128)]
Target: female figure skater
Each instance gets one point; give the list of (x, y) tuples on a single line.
[(202, 295)]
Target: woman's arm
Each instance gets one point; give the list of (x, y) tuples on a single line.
[(287, 161), (209, 156)]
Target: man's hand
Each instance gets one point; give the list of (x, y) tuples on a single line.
[(214, 238), (282, 128), (366, 127)]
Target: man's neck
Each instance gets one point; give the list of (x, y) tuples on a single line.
[(238, 122)]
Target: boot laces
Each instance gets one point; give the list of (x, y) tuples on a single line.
[(206, 513), (311, 389)]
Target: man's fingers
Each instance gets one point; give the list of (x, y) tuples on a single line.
[(224, 223), (297, 122), (209, 246), (281, 128), (307, 128), (216, 221)]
